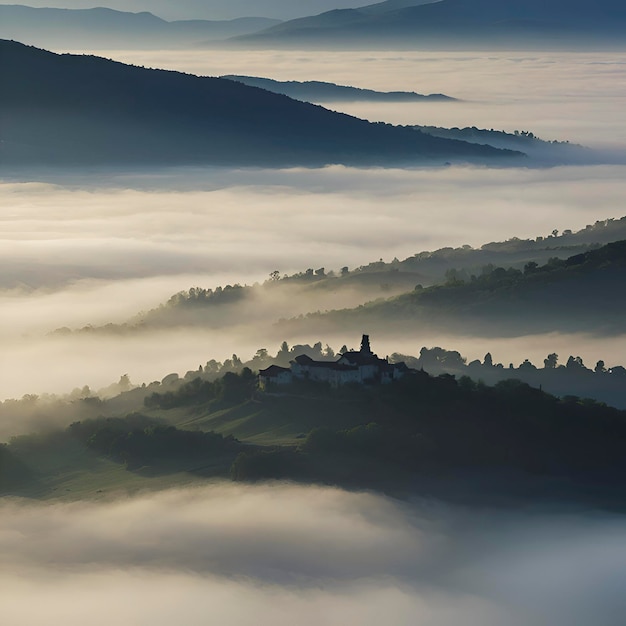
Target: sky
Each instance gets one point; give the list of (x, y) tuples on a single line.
[(208, 9)]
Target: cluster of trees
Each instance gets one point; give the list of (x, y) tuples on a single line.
[(230, 388), (138, 441), (439, 359), (201, 296), (498, 277)]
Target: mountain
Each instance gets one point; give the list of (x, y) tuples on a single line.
[(457, 23), (317, 91), (60, 109), (106, 28)]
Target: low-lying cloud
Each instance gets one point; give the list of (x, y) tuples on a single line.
[(258, 220), (79, 251), (283, 554), (84, 247)]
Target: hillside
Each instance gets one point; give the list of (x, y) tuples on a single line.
[(457, 23), (60, 109), (317, 91), (582, 293), (421, 435), (318, 290), (106, 28)]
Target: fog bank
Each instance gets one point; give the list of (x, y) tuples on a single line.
[(78, 251), (284, 554)]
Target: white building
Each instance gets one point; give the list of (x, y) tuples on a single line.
[(362, 367)]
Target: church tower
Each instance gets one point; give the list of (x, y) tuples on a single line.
[(365, 345)]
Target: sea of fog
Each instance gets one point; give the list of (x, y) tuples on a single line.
[(283, 555), (86, 247)]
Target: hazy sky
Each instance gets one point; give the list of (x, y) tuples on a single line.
[(208, 9)]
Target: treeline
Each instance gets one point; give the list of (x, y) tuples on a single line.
[(199, 296), (230, 388), (137, 441), (215, 381), (581, 293)]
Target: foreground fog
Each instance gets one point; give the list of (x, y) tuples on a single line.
[(284, 554)]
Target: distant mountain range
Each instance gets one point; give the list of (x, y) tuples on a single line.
[(456, 23), (318, 91), (106, 28), (213, 9), (80, 109)]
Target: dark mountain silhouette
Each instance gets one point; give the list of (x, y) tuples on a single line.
[(59, 109), (317, 91), (458, 23), (107, 28)]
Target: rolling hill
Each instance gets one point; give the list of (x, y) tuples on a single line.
[(583, 293), (60, 109)]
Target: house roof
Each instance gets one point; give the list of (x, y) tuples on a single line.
[(273, 370), (303, 359), (361, 358)]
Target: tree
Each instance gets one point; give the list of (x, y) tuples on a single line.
[(488, 362), (575, 363), (527, 365), (599, 368), (261, 355), (275, 275), (550, 361)]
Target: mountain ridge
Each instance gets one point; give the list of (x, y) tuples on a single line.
[(457, 23), (85, 109), (105, 27)]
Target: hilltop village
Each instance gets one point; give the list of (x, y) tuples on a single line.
[(362, 367)]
